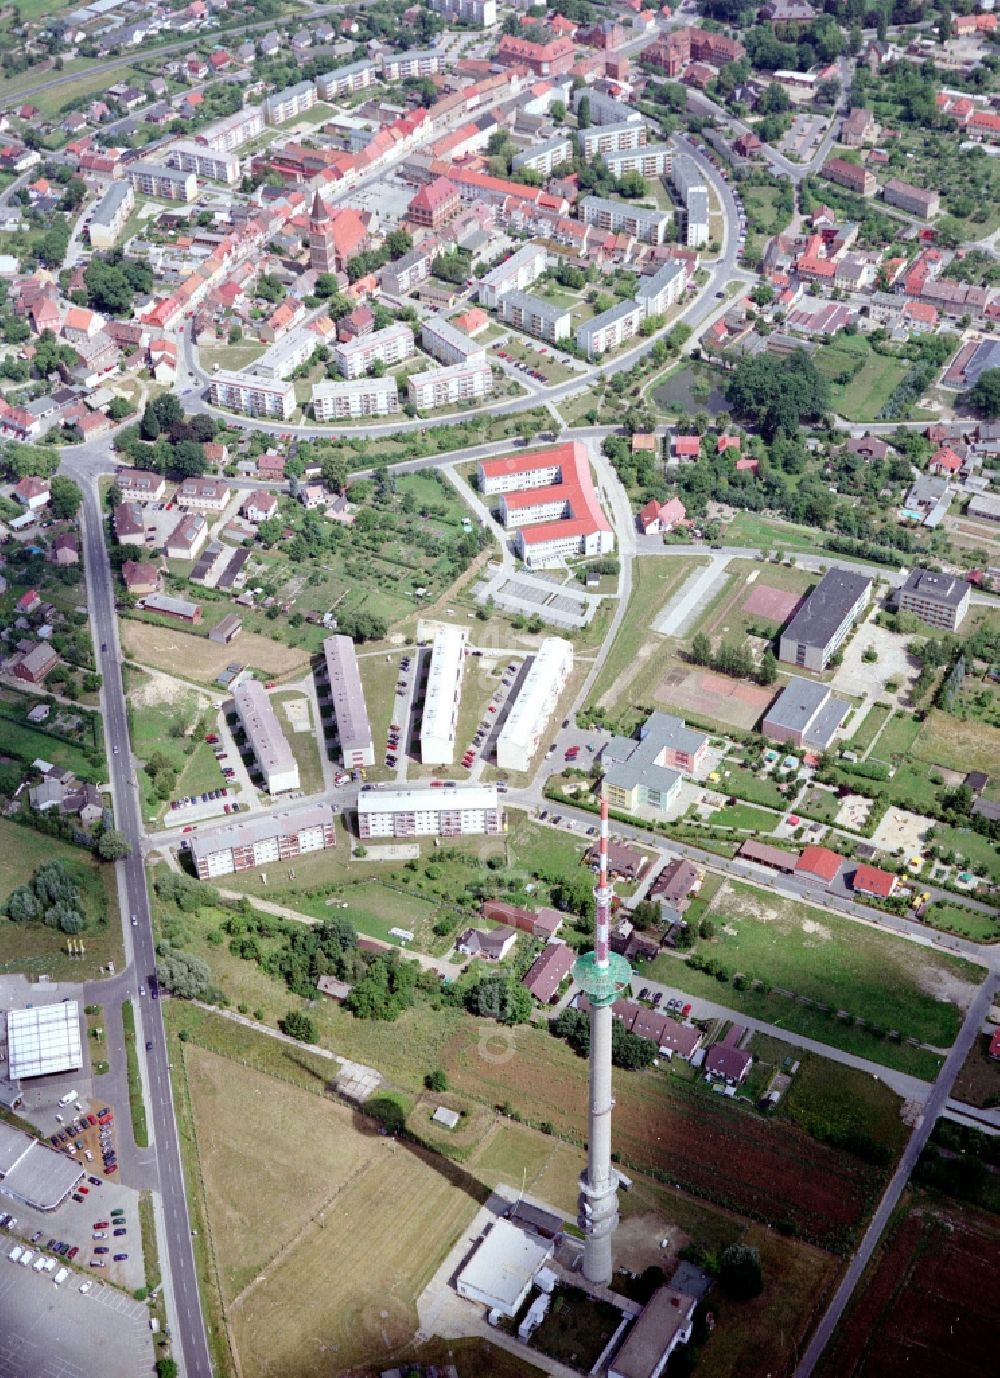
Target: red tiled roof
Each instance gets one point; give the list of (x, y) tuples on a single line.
[(872, 881), (819, 861)]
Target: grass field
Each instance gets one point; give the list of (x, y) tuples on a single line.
[(200, 660), (139, 1131), (957, 918), (725, 619), (35, 949), (868, 728), (873, 377), (821, 804), (947, 741), (28, 743), (292, 707), (746, 817), (291, 1304), (898, 737), (231, 356), (654, 580)]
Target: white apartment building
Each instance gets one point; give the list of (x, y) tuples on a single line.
[(202, 495), (442, 697), (610, 328), (518, 272), (355, 357), (526, 723), (456, 810), (458, 383), (110, 215), (333, 401), (262, 841), (543, 157), (281, 359), (604, 109), (190, 156), (601, 140), (265, 737), (406, 272), (662, 289), (343, 81), (689, 184), (649, 160), (225, 136), (357, 749), (649, 226), (163, 182), (481, 12), (286, 105), (415, 63), (253, 396), (449, 345), (535, 316)]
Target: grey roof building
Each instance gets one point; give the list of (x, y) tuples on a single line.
[(647, 772), (805, 713), (942, 600), (353, 728), (824, 619)]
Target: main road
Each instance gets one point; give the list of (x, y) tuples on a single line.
[(190, 1339)]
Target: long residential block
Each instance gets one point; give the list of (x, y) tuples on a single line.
[(286, 105), (649, 226), (443, 694), (659, 291), (455, 810), (190, 156), (163, 182), (387, 346), (600, 140), (265, 737), (824, 619), (332, 401), (543, 157), (261, 841), (449, 345), (343, 81), (527, 721), (425, 62), (941, 600), (514, 275), (649, 160), (113, 210), (253, 396), (610, 329), (353, 728), (467, 382), (536, 316), (225, 136)]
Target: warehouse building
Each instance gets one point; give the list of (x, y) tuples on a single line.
[(265, 737), (426, 811), (823, 621), (346, 690), (442, 696), (259, 841), (34, 1173), (522, 732)]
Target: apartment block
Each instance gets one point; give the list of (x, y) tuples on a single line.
[(602, 140), (514, 275), (649, 226), (697, 231), (458, 383), (281, 359), (357, 748), (253, 396), (265, 737), (916, 200), (481, 12), (449, 345), (527, 721), (405, 66), (190, 156), (535, 316), (941, 600), (649, 160), (343, 81), (225, 136), (262, 841), (293, 101), (163, 182), (543, 157), (332, 401), (610, 329), (442, 696), (422, 811), (409, 271), (604, 109), (662, 289), (388, 346), (110, 215), (824, 619), (850, 175)]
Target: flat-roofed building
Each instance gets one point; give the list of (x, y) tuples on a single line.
[(214, 164), (457, 383), (805, 713), (252, 395), (344, 678), (344, 81), (600, 140), (536, 316), (513, 275), (823, 621), (645, 772), (667, 1321), (33, 1172), (941, 600), (657, 292), (271, 837), (610, 329), (286, 105), (548, 495), (501, 1271), (453, 810), (265, 737), (425, 62), (604, 109), (162, 182), (44, 1040), (649, 160), (481, 12), (689, 183), (620, 217), (234, 131), (332, 401), (527, 720), (544, 156), (387, 346), (110, 214), (442, 696), (449, 345)]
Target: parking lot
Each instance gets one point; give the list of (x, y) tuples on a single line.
[(61, 1332), (484, 739)]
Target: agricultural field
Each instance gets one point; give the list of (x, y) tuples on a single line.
[(978, 1082), (861, 381), (926, 1304), (34, 948)]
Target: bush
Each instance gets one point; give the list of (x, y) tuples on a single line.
[(298, 1025), (740, 1272), (436, 1080)]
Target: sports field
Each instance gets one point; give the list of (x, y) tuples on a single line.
[(699, 694)]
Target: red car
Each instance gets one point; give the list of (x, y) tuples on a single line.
[(83, 1190), (212, 737), (74, 1251), (102, 1224), (188, 829), (685, 1011), (91, 1119)]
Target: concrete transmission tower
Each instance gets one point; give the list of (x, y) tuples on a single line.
[(603, 975)]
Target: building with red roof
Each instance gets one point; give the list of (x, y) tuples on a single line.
[(870, 880), (820, 862), (686, 446), (661, 516), (435, 203), (944, 461), (547, 498), (544, 59)]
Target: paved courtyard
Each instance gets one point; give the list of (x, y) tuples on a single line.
[(862, 679)]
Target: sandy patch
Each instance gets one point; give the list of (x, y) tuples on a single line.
[(297, 713), (161, 688), (816, 930), (899, 828), (853, 812)]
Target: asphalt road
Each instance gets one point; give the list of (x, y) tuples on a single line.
[(191, 1339)]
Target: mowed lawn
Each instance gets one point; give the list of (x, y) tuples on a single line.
[(874, 377)]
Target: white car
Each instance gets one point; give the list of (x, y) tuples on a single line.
[(26, 1257), (85, 1286), (15, 1253)]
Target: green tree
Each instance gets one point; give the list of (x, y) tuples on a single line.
[(984, 395), (66, 497), (436, 1080), (701, 649), (113, 845), (298, 1025), (768, 667), (740, 1272)]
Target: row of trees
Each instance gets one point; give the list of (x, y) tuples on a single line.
[(628, 1050), (734, 658)]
